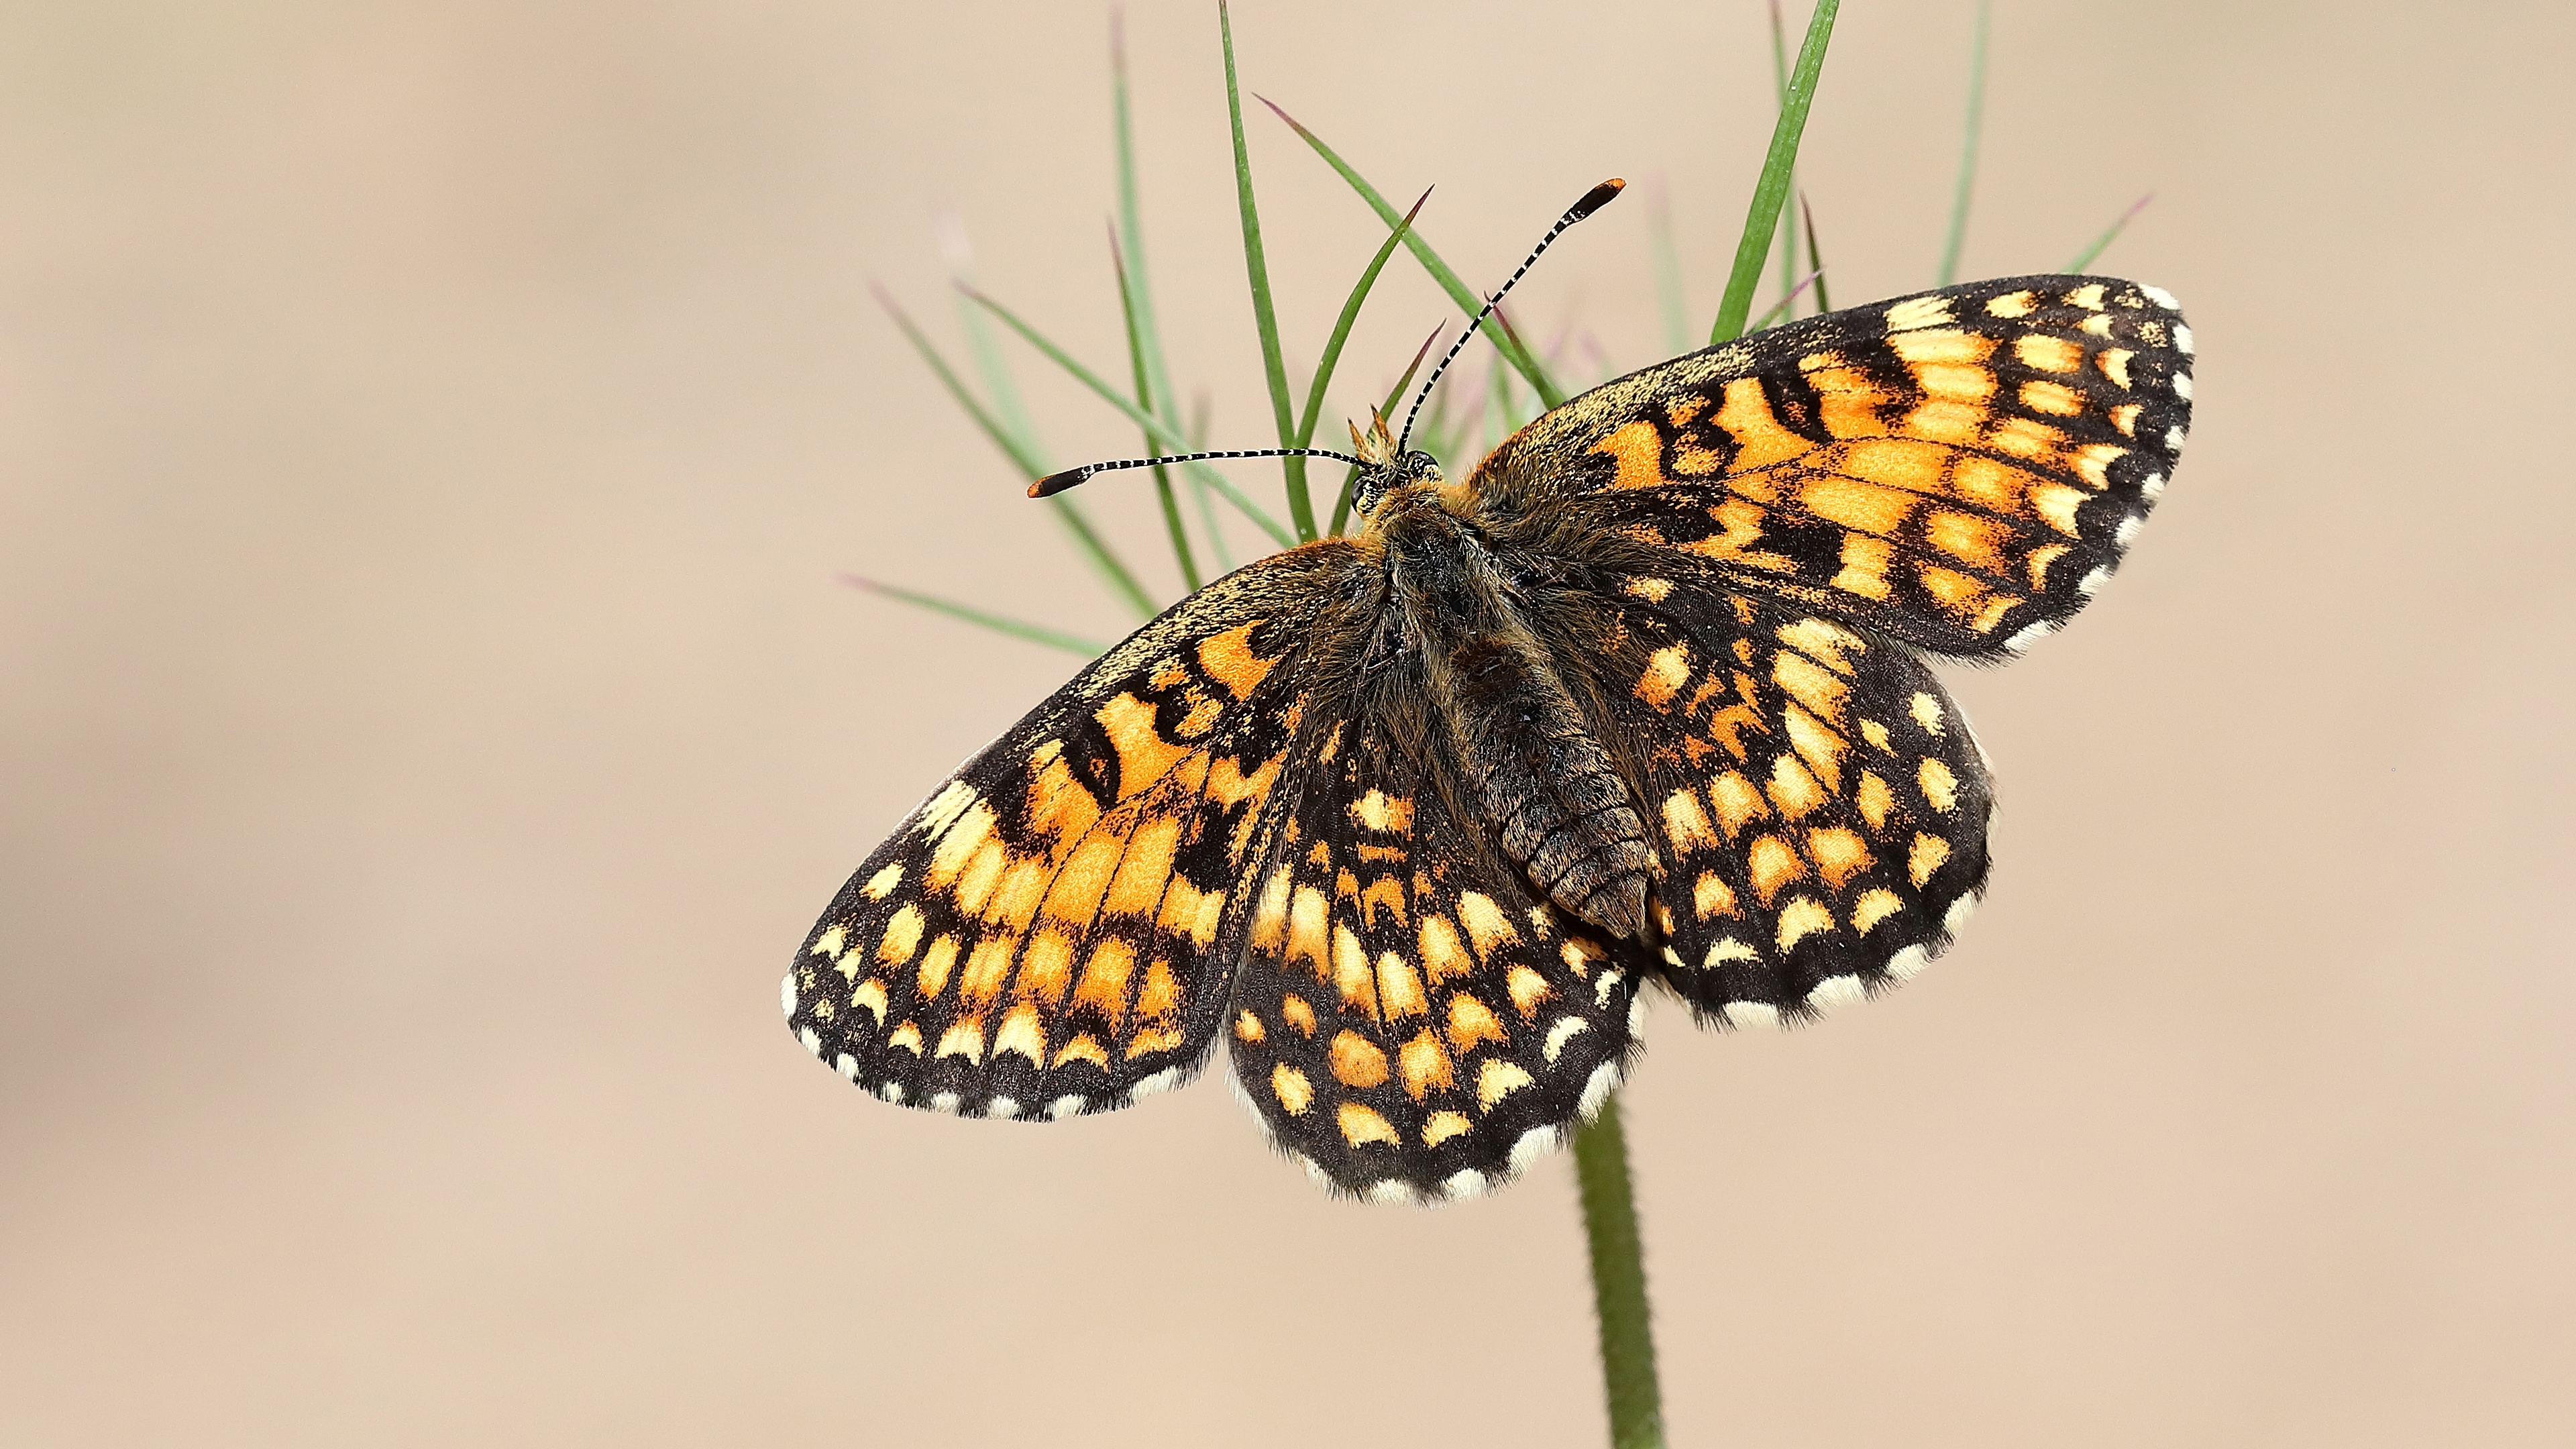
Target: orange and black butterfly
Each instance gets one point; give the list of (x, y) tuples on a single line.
[(1404, 821)]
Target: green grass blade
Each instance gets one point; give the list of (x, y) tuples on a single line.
[(1145, 394), (1087, 539), (1459, 292), (2085, 257), (1788, 239), (1815, 255), (1958, 233), (1154, 427), (959, 254), (1342, 505), (1669, 297), (1256, 266), (1342, 325), (1772, 189), (998, 623), (1131, 227)]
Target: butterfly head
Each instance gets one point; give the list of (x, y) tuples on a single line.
[(1385, 468)]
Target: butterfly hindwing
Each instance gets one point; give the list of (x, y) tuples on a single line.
[(1409, 1019), (1959, 469), (1816, 800), (1042, 936)]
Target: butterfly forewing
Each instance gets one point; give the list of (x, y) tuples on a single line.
[(1959, 469), (1045, 934)]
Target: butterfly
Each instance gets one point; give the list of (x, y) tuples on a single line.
[(1404, 821)]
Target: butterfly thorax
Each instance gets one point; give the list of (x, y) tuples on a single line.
[(1555, 804)]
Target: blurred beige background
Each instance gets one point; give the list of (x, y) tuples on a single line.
[(429, 434)]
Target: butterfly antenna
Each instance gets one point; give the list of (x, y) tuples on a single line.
[(1054, 483), (1593, 200)]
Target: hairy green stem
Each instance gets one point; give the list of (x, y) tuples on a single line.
[(1629, 1386)]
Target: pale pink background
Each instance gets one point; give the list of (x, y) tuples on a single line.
[(428, 437)]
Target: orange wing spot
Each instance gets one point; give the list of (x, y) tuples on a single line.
[(1873, 907), (1439, 1127), (982, 873), (1989, 484), (1270, 913), (1138, 888), (1498, 1079), (2114, 363), (1149, 1040), (1399, 988), (964, 1039), (2047, 353), (1927, 856), (1925, 707), (1820, 747), (1046, 968), (1667, 670), (1686, 825), (1425, 1066), (1357, 1061), (1227, 784), (2056, 504), (1801, 918), (1650, 590), (1203, 715), (902, 936), (871, 996), (908, 1037), (1807, 682), (1307, 940), (1074, 898), (1953, 383), (1941, 345), (1161, 994), (1022, 887), (1189, 911), (1966, 537), (2088, 297), (1020, 1032), (1292, 1089), (1839, 854), (1897, 463), (1794, 789), (1168, 675), (1247, 1027), (1874, 732), (1864, 571), (1229, 660), (1351, 974), (1470, 1022), (1362, 1125), (1083, 1048), (1957, 424), (1144, 756), (1939, 785), (2038, 562), (987, 967), (933, 975), (2026, 438), (1058, 805), (1711, 896), (1321, 857), (1773, 865), (1528, 989), (1862, 506), (1639, 452), (1875, 800), (1580, 955), (1485, 921), (1760, 441), (2093, 463), (1824, 642), (1442, 954), (2125, 418), (1380, 811), (1103, 987), (1848, 398), (1384, 897), (960, 841), (1294, 1010), (2011, 304), (1737, 802), (881, 885), (1961, 595)]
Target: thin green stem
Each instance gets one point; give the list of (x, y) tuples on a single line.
[(1628, 1382), (1256, 266), (1772, 189), (1958, 233), (1104, 560), (1788, 240), (998, 623), (1342, 326), (1459, 292), (1815, 255), (1145, 395), (1144, 332), (1154, 427), (2085, 257)]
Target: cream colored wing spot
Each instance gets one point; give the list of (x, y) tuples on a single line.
[(2161, 297), (1916, 312), (2182, 339), (1835, 991), (1534, 1144), (1752, 1015), (2182, 385), (1907, 964)]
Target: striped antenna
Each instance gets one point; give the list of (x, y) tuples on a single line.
[(1593, 200), (1054, 483)]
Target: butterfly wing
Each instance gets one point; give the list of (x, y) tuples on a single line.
[(1959, 469), (1043, 935), (1816, 801), (1410, 1020)]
